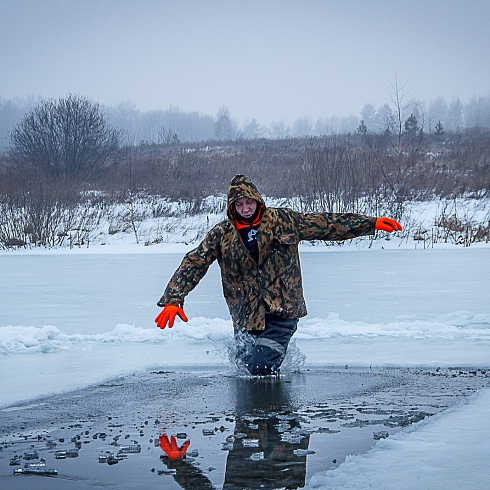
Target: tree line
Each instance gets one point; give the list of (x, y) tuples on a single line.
[(172, 125)]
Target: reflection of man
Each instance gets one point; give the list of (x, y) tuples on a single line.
[(264, 454), (265, 450), (260, 428)]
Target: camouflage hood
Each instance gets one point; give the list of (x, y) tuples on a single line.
[(241, 186)]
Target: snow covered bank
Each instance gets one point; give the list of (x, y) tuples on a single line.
[(449, 451), (158, 225)]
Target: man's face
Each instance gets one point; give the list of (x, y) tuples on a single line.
[(245, 207)]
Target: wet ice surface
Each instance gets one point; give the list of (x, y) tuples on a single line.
[(244, 432)]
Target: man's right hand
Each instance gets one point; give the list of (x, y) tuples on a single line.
[(168, 314)]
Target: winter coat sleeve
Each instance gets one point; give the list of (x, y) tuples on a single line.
[(192, 269), (333, 226)]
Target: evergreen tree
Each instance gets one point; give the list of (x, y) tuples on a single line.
[(439, 131), (362, 128), (411, 125)]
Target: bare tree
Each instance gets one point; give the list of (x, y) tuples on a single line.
[(65, 137), (397, 150)]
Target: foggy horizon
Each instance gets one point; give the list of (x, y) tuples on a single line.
[(271, 61)]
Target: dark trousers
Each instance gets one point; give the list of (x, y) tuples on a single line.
[(262, 351)]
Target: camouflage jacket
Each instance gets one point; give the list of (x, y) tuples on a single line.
[(273, 283)]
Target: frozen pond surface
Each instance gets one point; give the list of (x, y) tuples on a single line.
[(93, 293), (71, 320), (405, 333)]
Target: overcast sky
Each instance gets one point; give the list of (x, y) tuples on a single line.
[(272, 60)]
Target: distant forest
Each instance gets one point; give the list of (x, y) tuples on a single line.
[(171, 125)]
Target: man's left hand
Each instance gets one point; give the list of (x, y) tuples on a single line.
[(387, 224)]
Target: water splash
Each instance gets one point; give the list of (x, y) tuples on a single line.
[(241, 344), (294, 360)]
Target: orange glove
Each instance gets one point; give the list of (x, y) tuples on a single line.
[(171, 449), (168, 314), (387, 224)]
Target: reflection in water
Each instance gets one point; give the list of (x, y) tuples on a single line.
[(171, 449), (246, 433), (268, 448), (261, 395), (187, 475), (267, 452)]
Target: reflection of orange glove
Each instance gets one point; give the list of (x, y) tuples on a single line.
[(171, 449), (387, 224), (168, 314)]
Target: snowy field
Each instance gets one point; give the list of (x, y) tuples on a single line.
[(74, 318)]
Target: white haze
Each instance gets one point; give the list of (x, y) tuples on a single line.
[(275, 60)]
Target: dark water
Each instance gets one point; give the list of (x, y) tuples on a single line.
[(243, 432)]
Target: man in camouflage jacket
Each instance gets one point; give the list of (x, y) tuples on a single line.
[(261, 274)]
